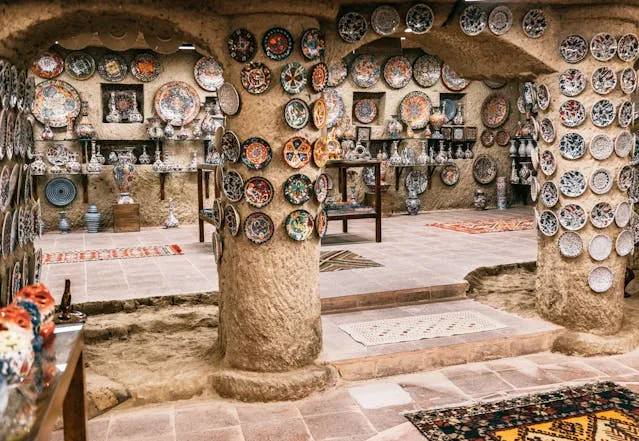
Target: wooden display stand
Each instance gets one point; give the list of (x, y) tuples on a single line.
[(387, 203), (126, 218)]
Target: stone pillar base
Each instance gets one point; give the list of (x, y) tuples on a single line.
[(273, 386), (589, 345)]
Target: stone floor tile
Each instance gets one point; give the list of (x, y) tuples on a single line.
[(141, 424), (249, 414), (378, 395), (203, 417), (293, 429), (402, 432), (528, 377), (505, 364), (333, 425), (609, 366), (572, 371), (330, 402), (388, 417), (226, 434), (479, 385)]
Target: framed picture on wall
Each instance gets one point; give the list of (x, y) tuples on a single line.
[(363, 134)]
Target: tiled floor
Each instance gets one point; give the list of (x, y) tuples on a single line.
[(413, 255)]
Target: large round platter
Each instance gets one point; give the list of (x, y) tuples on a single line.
[(626, 114), (321, 187), (416, 181), (229, 99), (600, 247), (485, 169), (57, 154), (572, 217), (232, 185), (570, 244), (321, 223), (419, 18), (500, 20), (297, 114), (603, 80), (298, 189), (177, 101), (495, 110), (256, 153), (241, 45), (217, 214), (625, 243), (623, 213), (573, 48), (601, 147), (487, 138), (297, 152), (603, 46), (54, 102), (231, 219), (145, 67), (602, 113), (49, 64), (602, 215), (216, 240), (626, 177), (293, 77), (365, 71), (319, 113), (79, 65), (600, 279), (572, 183), (628, 80), (547, 163), (398, 72), (547, 130), (352, 27), (319, 77), (277, 43), (534, 23), (337, 74), (255, 77), (299, 225), (601, 181), (473, 20), (572, 113), (572, 82), (572, 145), (414, 109), (231, 146), (385, 20), (312, 44), (208, 73), (449, 174), (258, 227), (112, 67), (60, 192), (320, 152), (451, 80), (334, 106), (258, 192), (549, 195), (427, 70), (627, 47), (548, 224), (365, 110), (624, 142)]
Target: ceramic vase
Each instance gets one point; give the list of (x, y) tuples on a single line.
[(459, 153), (92, 219), (47, 133), (394, 127), (524, 173), (63, 225), (208, 125), (437, 119), (413, 203), (84, 129), (100, 157), (73, 166), (529, 148), (38, 167), (514, 177), (512, 151), (70, 128), (154, 128), (459, 116), (113, 115), (502, 202), (144, 157), (171, 221), (468, 154), (522, 149), (479, 199), (422, 158), (395, 159), (134, 114), (193, 164), (169, 131), (196, 131), (124, 173)]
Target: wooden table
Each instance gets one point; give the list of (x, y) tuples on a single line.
[(203, 171)]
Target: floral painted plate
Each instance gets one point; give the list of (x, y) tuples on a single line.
[(603, 80), (572, 82), (277, 43), (312, 44), (602, 113), (177, 102), (258, 192), (628, 80), (321, 223), (572, 217), (321, 187), (208, 74), (573, 48), (420, 18), (230, 146), (624, 143), (385, 20), (547, 130), (547, 163), (485, 169), (229, 99), (319, 77), (319, 113), (57, 154), (293, 77), (258, 228), (487, 138), (600, 247), (548, 223), (352, 27), (623, 213), (572, 183), (54, 102), (534, 23), (543, 96), (297, 114), (473, 20), (217, 214), (548, 194), (233, 185), (79, 65), (570, 244), (601, 147), (6, 234), (626, 114), (299, 225), (112, 67), (145, 67), (297, 152), (500, 20), (495, 110), (334, 106), (298, 188), (572, 113), (427, 70), (365, 71), (365, 110), (398, 72), (449, 174), (602, 215), (625, 243), (417, 181), (256, 153), (603, 46), (451, 80), (624, 180), (601, 181), (241, 45), (337, 74), (572, 145), (320, 152), (232, 219), (49, 64), (255, 77), (415, 109), (627, 47)]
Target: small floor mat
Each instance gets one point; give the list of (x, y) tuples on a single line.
[(340, 260), (111, 254), (379, 332), (487, 226)]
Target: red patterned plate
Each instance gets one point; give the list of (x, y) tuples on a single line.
[(415, 109), (365, 110), (297, 152), (255, 77), (256, 153), (487, 138), (502, 138), (48, 65), (319, 77), (398, 72), (258, 192), (495, 110)]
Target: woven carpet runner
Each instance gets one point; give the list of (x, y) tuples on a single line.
[(594, 412), (340, 260), (491, 226), (111, 254)]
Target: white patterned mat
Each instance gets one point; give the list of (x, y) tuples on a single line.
[(417, 327)]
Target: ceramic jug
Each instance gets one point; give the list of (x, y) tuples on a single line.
[(171, 220), (84, 129), (394, 127), (92, 219), (63, 225), (479, 199), (413, 203)]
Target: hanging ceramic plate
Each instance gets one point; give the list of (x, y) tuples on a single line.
[(15, 87), (427, 70), (572, 145), (573, 48), (473, 20), (626, 177), (241, 45), (297, 152), (321, 187), (299, 225), (145, 67), (217, 214), (320, 152), (572, 82), (602, 113), (603, 46), (549, 195), (451, 80), (534, 189), (319, 113), (494, 84), (601, 147), (603, 80), (293, 77), (547, 130), (231, 219), (229, 99), (365, 110), (297, 114), (623, 214), (572, 217), (298, 189), (258, 228), (365, 71), (543, 96), (534, 23), (79, 65), (495, 110), (112, 67), (48, 65), (177, 102), (233, 185), (449, 174), (414, 109), (208, 73), (398, 72), (572, 113), (449, 108), (624, 142), (255, 77), (6, 234), (277, 43), (626, 114), (570, 244), (485, 169), (54, 102), (334, 107), (312, 44), (628, 47), (601, 181), (602, 215), (572, 183), (57, 154), (548, 224), (625, 243), (547, 163), (500, 20), (385, 20), (352, 27), (502, 138), (230, 146), (319, 77), (487, 138), (216, 240), (321, 223), (258, 192), (256, 153), (60, 192), (416, 181), (337, 74), (628, 80), (5, 188), (600, 247), (420, 18)]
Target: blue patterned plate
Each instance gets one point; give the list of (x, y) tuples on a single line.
[(298, 189), (299, 225), (258, 227), (60, 192)]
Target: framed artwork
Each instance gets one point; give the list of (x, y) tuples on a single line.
[(471, 133), (363, 134), (458, 134)]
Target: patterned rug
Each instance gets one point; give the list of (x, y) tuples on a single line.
[(380, 332), (487, 226), (594, 412), (111, 253), (341, 260)]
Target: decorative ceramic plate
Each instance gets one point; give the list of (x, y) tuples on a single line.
[(601, 181), (572, 183), (229, 99), (230, 146), (549, 195), (37, 266), (241, 45), (49, 64), (600, 247), (628, 80), (57, 154), (217, 214), (449, 174), (626, 177), (493, 84), (624, 142), (487, 138), (321, 223), (534, 188), (334, 106), (258, 192), (320, 152), (319, 77), (365, 110), (495, 110), (623, 213), (547, 163), (319, 113), (256, 153), (54, 102), (427, 70), (602, 215), (297, 152), (626, 114), (449, 108), (572, 82), (255, 77), (208, 73), (572, 217), (112, 67), (299, 225), (627, 47), (321, 187), (603, 80), (258, 228), (79, 65), (293, 77), (419, 18), (414, 109), (218, 248), (177, 102), (385, 20), (398, 72), (548, 223), (473, 20), (298, 189), (6, 234), (231, 219), (543, 96), (337, 74), (145, 67), (277, 43), (534, 23), (573, 48), (365, 71), (5, 188), (485, 169), (502, 138), (416, 181), (633, 190), (352, 27), (603, 46), (601, 147), (500, 20), (297, 114), (547, 130), (625, 243), (451, 80), (572, 145), (570, 244), (60, 192), (233, 185), (572, 113), (312, 44), (602, 113)]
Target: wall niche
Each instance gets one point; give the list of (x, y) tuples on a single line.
[(369, 101), (122, 103)]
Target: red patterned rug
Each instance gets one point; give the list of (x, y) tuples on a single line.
[(487, 226), (111, 254)]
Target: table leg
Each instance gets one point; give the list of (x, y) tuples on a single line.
[(74, 408), (344, 184), (200, 205), (378, 202)]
